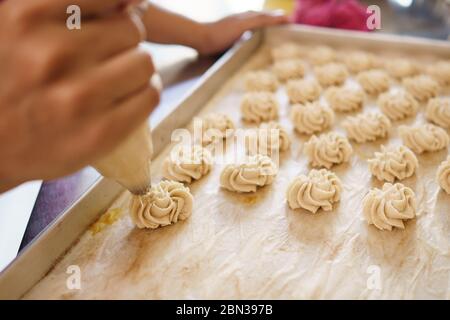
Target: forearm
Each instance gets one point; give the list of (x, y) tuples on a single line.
[(170, 28)]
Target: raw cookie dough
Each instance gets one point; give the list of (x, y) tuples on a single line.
[(393, 163), (259, 106), (187, 163), (303, 90), (328, 149), (438, 111), (374, 81), (368, 126), (268, 137), (358, 61), (216, 126), (289, 69), (288, 50), (331, 74), (343, 99), (321, 55), (311, 117), (166, 203), (424, 138), (422, 87), (389, 207), (398, 105), (261, 81), (401, 68), (320, 189), (257, 171), (443, 175), (441, 72)]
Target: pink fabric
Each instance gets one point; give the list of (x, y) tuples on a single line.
[(342, 14)]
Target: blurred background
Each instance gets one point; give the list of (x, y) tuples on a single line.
[(181, 68)]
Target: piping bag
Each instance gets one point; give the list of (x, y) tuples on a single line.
[(129, 163)]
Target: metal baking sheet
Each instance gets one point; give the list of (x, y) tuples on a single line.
[(229, 276)]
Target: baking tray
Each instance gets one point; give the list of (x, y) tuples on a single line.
[(42, 254)]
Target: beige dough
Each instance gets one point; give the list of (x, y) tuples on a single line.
[(216, 126), (321, 55), (328, 149), (166, 203), (256, 171), (398, 105), (358, 61), (270, 136), (401, 68), (259, 106), (320, 189), (343, 99), (303, 90), (388, 207), (289, 69), (441, 72), (422, 87), (393, 163), (368, 126), (311, 117), (261, 81), (443, 175), (187, 163), (331, 74), (374, 81), (424, 138), (288, 50), (438, 111)]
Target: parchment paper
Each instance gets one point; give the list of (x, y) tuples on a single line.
[(253, 246)]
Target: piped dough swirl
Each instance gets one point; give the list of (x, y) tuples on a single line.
[(187, 163), (443, 175), (268, 138), (328, 149), (289, 69), (261, 81), (311, 117), (401, 68), (441, 72), (358, 61), (320, 189), (259, 106), (166, 203), (398, 105), (256, 171), (368, 126), (303, 90), (216, 126), (321, 55), (438, 112), (342, 99), (422, 87), (388, 207), (374, 81), (393, 163), (331, 74), (287, 50), (424, 138)]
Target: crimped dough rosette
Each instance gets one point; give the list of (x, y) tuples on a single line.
[(424, 138), (216, 126), (358, 61), (311, 117), (166, 203), (438, 112), (393, 163), (261, 80), (368, 126), (398, 105), (374, 81), (303, 91), (187, 163), (331, 74), (342, 99), (443, 175), (321, 55), (320, 189), (289, 69), (270, 136), (259, 106), (328, 149), (257, 171), (388, 207), (287, 50), (422, 87)]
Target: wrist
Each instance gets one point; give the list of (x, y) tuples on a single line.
[(202, 38)]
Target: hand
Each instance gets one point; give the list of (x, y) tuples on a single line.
[(222, 34), (67, 97)]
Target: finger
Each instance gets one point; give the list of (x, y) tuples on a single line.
[(255, 20), (106, 131), (88, 8), (93, 91), (111, 35)]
